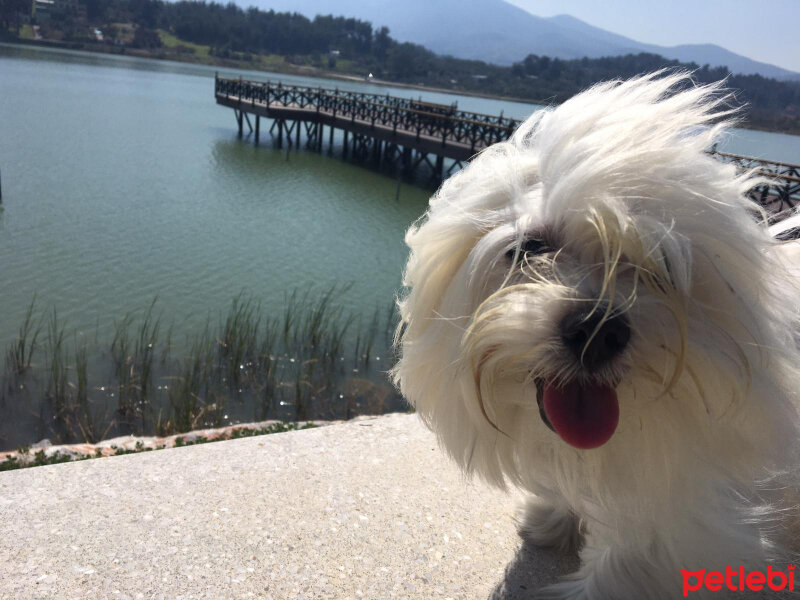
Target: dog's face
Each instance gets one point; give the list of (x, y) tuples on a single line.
[(592, 296)]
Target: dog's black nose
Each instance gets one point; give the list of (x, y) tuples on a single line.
[(591, 339)]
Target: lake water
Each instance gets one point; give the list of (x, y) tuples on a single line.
[(122, 180)]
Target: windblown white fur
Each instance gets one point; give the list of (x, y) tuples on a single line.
[(700, 472)]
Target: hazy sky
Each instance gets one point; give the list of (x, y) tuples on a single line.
[(764, 30)]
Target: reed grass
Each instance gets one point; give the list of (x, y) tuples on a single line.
[(292, 366), (186, 403), (20, 352), (121, 356), (238, 342), (82, 412), (133, 353), (144, 352), (57, 390)]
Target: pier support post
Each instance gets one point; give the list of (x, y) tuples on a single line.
[(344, 149), (406, 160), (330, 142), (440, 167), (239, 120), (297, 135), (258, 128), (280, 132)]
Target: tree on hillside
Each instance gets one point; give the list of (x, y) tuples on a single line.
[(146, 38), (10, 12), (381, 44), (144, 12), (409, 62)]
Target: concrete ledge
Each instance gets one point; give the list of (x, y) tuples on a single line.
[(368, 509)]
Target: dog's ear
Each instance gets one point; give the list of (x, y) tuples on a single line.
[(438, 250)]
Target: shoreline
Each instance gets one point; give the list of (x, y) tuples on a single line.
[(44, 453), (425, 88), (302, 70), (286, 69)]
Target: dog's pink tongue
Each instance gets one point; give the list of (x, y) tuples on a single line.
[(585, 416)]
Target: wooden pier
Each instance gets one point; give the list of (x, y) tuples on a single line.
[(401, 132), (383, 128)]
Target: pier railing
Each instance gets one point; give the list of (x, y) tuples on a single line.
[(782, 192), (440, 121)]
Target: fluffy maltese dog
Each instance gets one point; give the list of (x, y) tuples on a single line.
[(597, 314)]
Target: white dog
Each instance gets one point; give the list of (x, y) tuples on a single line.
[(597, 314)]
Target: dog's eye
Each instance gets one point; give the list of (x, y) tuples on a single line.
[(531, 246)]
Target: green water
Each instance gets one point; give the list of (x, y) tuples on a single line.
[(120, 184), (123, 181)]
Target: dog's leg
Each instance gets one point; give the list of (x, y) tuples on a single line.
[(550, 523), (606, 574), (621, 564)]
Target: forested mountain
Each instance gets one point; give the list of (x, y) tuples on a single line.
[(500, 33)]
